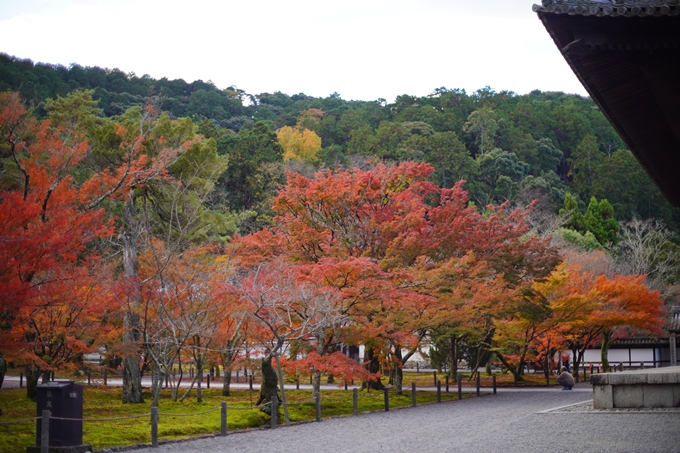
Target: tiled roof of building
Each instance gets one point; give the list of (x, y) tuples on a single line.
[(610, 7)]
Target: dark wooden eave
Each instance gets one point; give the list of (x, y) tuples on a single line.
[(626, 54)]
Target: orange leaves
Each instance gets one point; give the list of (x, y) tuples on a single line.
[(336, 364), (627, 302)]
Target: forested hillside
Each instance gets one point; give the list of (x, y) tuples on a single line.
[(506, 146)]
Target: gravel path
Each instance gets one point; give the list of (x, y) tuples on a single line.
[(507, 422)]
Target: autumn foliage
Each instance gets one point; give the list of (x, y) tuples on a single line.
[(380, 258)]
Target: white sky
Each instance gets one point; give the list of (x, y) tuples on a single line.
[(362, 49)]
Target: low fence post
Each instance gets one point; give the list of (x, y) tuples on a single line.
[(439, 391), (274, 410), (154, 427), (447, 383), (355, 400), (460, 386), (223, 420), (494, 384), (386, 394), (478, 382), (207, 381), (45, 432), (317, 404), (21, 380), (413, 394)]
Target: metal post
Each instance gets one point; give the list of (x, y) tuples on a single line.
[(154, 427), (297, 385), (478, 383), (21, 380), (460, 386), (447, 383), (413, 393), (45, 432), (386, 394), (494, 384), (223, 423), (274, 410), (355, 400), (207, 382), (439, 391), (317, 404)]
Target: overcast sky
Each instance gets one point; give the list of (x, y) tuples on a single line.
[(361, 49)]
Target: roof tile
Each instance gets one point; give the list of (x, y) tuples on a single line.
[(612, 8)]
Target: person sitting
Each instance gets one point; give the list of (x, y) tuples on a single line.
[(565, 379)]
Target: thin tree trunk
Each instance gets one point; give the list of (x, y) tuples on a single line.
[(156, 385), (453, 369), (3, 369), (132, 376)]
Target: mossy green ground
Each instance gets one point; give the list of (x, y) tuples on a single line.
[(104, 402)]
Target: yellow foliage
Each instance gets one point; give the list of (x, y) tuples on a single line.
[(299, 144)]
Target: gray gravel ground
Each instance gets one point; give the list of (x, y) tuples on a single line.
[(508, 422)]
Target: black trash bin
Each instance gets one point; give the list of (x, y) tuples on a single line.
[(64, 399)]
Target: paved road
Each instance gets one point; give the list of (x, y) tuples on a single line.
[(507, 422)]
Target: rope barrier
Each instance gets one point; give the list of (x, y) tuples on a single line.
[(189, 415), (20, 421), (100, 419)]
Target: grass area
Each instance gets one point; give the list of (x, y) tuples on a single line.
[(104, 402)]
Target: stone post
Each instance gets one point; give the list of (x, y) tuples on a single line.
[(674, 353)]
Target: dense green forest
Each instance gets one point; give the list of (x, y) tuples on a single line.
[(508, 147)]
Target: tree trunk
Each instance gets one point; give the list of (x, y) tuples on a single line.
[(316, 383), (32, 376), (226, 382), (398, 374), (453, 368), (199, 380), (3, 369), (576, 363), (373, 367), (513, 369), (270, 383), (132, 376), (604, 350), (156, 385)]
